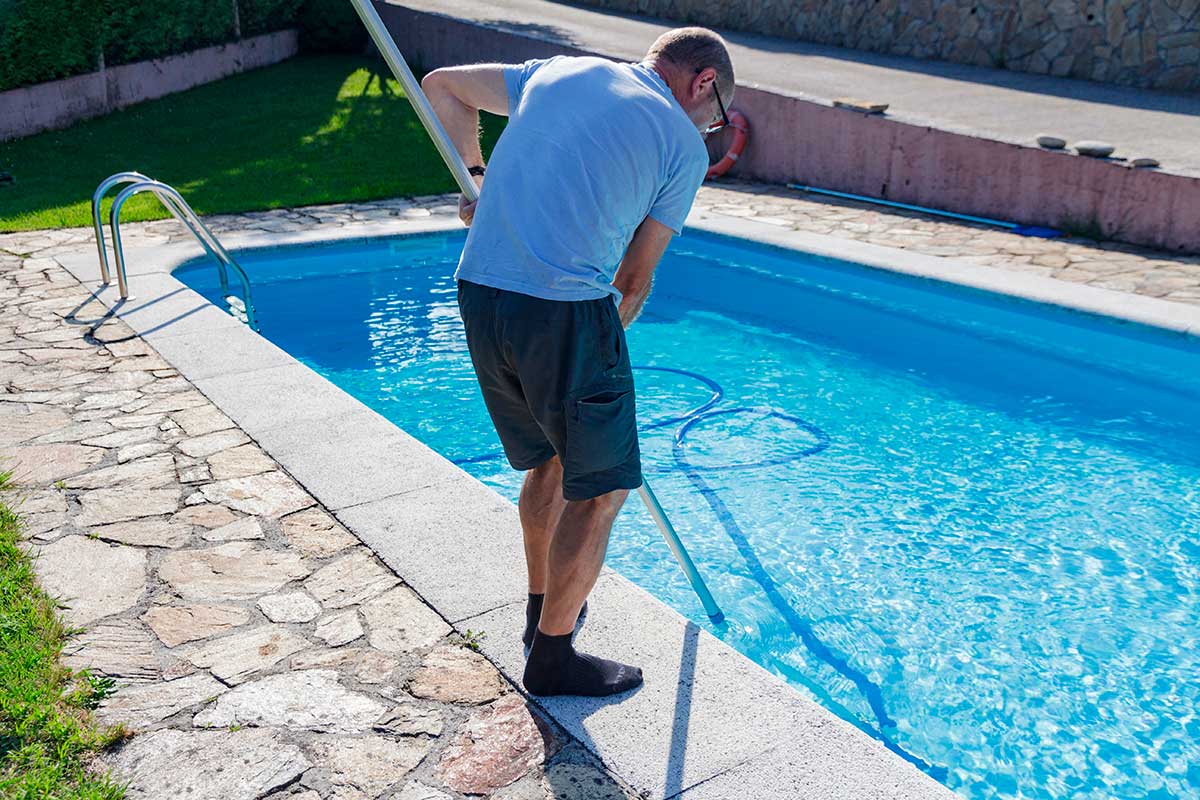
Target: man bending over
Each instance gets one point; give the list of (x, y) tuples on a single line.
[(595, 172)]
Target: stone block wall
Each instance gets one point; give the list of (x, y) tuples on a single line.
[(1146, 43)]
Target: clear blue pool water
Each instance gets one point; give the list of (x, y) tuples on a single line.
[(968, 524)]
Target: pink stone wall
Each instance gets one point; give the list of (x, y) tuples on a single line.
[(57, 104), (885, 158), (881, 157)]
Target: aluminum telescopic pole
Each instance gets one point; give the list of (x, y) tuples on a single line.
[(391, 54)]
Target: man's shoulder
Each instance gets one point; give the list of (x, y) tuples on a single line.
[(575, 64)]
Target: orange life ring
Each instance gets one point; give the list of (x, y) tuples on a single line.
[(741, 133)]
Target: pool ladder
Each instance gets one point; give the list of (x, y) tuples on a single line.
[(241, 308)]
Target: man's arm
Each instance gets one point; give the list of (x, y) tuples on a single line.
[(457, 95), (636, 273)]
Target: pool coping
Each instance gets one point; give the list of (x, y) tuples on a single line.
[(709, 722)]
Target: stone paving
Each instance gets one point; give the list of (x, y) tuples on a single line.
[(1104, 264), (260, 650)]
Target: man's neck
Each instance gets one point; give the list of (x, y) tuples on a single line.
[(667, 73)]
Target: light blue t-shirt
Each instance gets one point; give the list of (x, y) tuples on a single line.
[(591, 149)]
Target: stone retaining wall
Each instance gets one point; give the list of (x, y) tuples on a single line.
[(57, 104), (1148, 43)]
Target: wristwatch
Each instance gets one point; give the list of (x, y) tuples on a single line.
[(476, 170)]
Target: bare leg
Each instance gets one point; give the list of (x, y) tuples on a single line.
[(575, 557), (540, 506), (577, 550)]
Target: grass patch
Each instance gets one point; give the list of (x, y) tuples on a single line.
[(46, 730), (313, 129), (472, 640)]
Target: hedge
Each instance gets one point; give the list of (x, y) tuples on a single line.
[(42, 40), (136, 31), (264, 16), (36, 46)]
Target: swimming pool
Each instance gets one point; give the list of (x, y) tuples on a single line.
[(966, 523)]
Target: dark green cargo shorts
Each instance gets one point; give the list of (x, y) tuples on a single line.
[(556, 379)]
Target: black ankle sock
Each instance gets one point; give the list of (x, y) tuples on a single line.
[(533, 613), (556, 667)]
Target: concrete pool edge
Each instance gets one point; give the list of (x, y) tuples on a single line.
[(687, 734), (1126, 307), (378, 480), (1123, 306)]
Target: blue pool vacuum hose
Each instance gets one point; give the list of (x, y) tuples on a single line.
[(1024, 230)]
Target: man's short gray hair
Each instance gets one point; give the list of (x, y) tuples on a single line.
[(695, 48)]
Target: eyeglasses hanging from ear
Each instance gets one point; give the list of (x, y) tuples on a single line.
[(716, 126)]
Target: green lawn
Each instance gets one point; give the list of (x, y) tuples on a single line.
[(46, 732), (314, 129)]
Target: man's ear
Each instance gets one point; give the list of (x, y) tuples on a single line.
[(703, 79)]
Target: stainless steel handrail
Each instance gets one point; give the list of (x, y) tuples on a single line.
[(169, 196), (166, 200), (97, 197)]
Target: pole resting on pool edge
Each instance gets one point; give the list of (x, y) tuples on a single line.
[(395, 60)]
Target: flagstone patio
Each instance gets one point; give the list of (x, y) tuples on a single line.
[(259, 649)]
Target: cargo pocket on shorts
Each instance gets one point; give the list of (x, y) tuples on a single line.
[(601, 429)]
